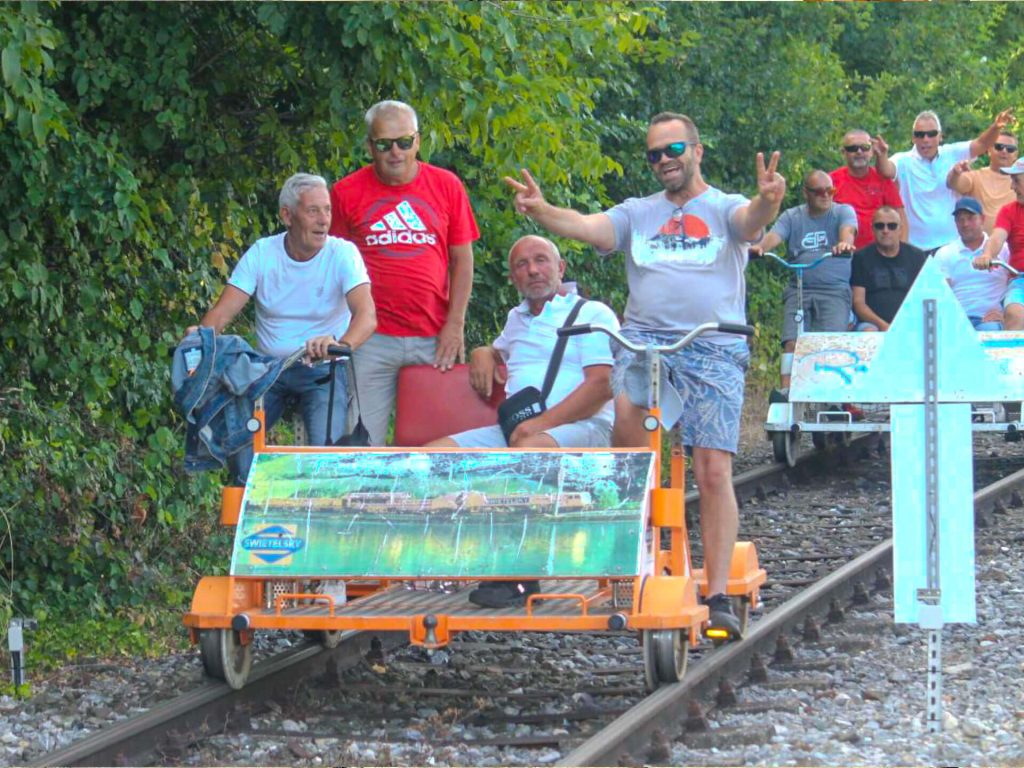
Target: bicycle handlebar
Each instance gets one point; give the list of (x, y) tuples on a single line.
[(800, 267), (576, 330), (1007, 267), (340, 351)]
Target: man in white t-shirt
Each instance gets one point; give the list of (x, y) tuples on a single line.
[(922, 171), (311, 291), (980, 292)]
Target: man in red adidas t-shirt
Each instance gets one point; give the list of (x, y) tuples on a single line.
[(863, 187), (414, 227)]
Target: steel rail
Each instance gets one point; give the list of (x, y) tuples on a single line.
[(627, 739), (140, 738)]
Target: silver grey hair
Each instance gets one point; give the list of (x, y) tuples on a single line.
[(387, 107), (295, 186), (929, 115)]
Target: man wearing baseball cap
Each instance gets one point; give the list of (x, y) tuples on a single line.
[(980, 293), (1009, 230)]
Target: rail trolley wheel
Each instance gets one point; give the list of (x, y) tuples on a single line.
[(820, 440), (741, 607), (328, 638), (665, 655), (786, 447), (224, 656)]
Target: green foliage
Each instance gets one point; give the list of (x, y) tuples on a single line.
[(145, 143)]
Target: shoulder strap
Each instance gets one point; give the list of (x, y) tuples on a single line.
[(556, 355)]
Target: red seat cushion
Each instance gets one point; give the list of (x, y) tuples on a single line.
[(431, 404)]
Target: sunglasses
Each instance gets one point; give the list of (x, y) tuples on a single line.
[(821, 191), (1004, 147), (675, 149), (923, 134), (403, 142), (890, 225), (851, 148)]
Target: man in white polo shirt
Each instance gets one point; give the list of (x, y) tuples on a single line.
[(980, 292), (579, 407), (922, 171)]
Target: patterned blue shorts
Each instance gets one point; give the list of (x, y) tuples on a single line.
[(708, 377)]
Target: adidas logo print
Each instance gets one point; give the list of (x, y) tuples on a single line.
[(401, 226)]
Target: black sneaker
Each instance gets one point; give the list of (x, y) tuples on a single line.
[(503, 594), (723, 625), (778, 396)]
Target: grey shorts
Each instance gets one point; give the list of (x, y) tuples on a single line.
[(823, 311), (708, 377), (595, 432)]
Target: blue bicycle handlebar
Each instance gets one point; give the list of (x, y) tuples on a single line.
[(810, 265)]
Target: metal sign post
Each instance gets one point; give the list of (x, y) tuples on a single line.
[(929, 367)]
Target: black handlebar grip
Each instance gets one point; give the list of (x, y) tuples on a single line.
[(339, 350), (743, 330), (575, 330)]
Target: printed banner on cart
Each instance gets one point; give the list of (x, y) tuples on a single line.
[(458, 514)]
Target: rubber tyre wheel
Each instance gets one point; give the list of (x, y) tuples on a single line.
[(328, 638), (666, 652), (786, 447), (224, 656)]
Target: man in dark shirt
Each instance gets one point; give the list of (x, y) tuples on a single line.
[(883, 272)]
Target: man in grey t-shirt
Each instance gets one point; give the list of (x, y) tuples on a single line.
[(819, 226), (686, 250)]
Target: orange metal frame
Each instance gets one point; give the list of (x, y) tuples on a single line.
[(665, 599)]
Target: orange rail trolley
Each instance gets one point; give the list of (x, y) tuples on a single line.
[(329, 539)]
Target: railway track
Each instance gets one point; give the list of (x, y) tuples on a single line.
[(492, 699)]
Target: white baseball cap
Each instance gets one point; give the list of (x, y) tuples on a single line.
[(1016, 168)]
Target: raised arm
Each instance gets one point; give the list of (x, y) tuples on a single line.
[(988, 137), (595, 228), (957, 179), (883, 164), (764, 207)]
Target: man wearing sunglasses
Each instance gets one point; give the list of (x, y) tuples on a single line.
[(988, 185), (882, 272), (809, 230), (686, 251), (862, 186), (922, 173), (413, 224)]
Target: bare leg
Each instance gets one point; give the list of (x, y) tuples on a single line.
[(1013, 318), (719, 513), (628, 431)]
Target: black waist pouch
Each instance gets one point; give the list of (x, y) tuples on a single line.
[(530, 401), (523, 405)]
